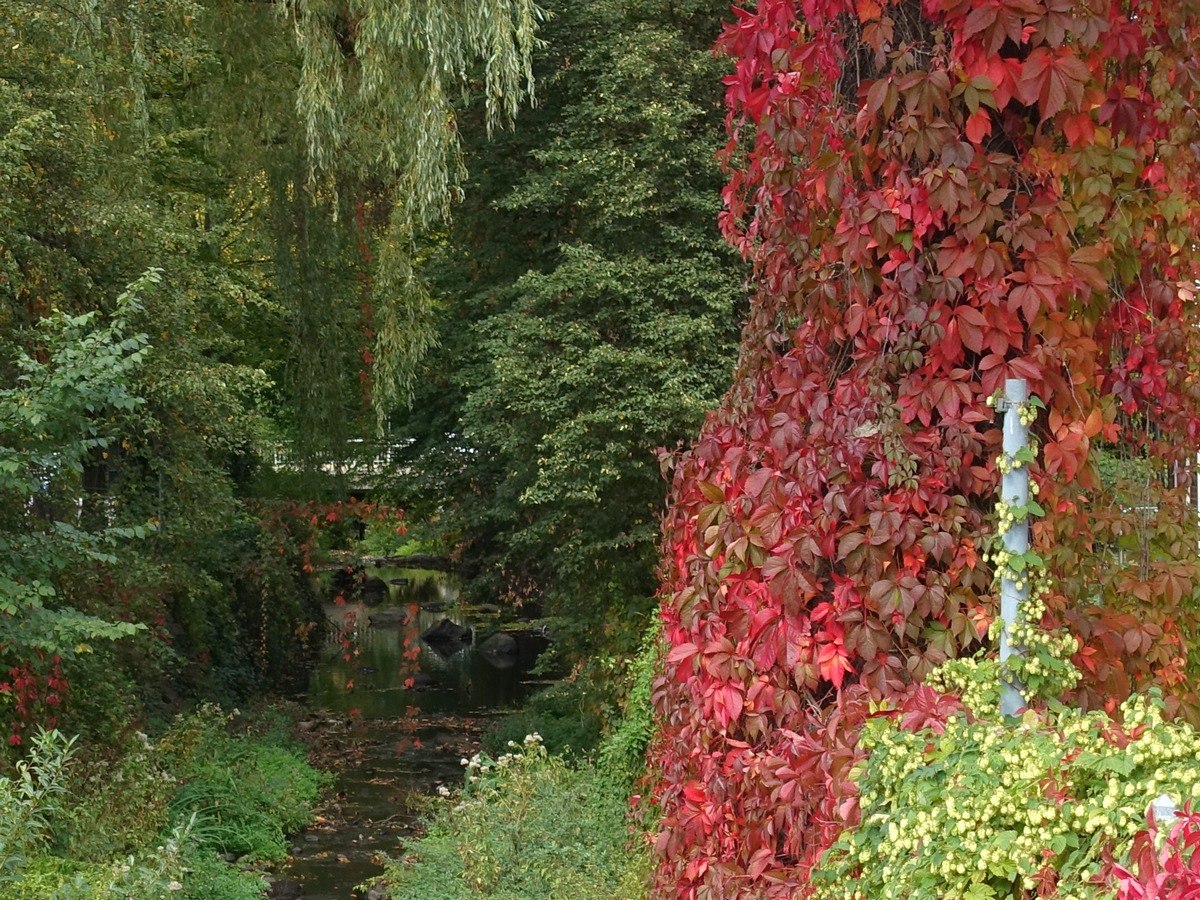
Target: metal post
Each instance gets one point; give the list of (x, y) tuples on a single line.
[(1014, 490), (1163, 810)]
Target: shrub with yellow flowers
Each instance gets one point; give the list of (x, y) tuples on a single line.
[(996, 809)]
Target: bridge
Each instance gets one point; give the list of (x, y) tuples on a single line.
[(360, 467)]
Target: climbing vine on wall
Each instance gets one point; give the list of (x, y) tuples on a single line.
[(935, 196)]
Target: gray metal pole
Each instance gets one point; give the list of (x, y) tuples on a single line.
[(1164, 810), (1014, 490)]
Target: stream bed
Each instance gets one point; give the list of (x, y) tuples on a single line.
[(393, 721)]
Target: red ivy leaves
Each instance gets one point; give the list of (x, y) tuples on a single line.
[(36, 689), (1171, 873), (1053, 79), (932, 203)]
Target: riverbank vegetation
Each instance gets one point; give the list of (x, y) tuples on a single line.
[(539, 815), (527, 824), (155, 817)]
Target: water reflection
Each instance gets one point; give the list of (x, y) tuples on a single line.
[(403, 714), (391, 670)]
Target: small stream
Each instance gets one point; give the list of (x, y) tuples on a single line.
[(393, 721)]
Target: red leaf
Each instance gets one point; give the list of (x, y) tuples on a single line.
[(979, 125), (1052, 79)]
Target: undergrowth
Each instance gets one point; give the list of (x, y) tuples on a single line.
[(559, 713), (151, 820), (542, 818), (526, 825)]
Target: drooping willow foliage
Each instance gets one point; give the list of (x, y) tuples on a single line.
[(376, 92), (378, 81)]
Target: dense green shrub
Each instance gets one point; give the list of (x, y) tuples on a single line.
[(987, 809), (176, 868), (539, 818), (154, 874), (526, 825), (151, 821)]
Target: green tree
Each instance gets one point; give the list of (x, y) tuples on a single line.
[(52, 421), (587, 317), (182, 134)]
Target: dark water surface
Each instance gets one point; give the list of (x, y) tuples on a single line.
[(393, 722)]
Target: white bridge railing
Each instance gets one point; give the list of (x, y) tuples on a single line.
[(362, 462)]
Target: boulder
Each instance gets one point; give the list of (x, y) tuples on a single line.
[(374, 590), (447, 632), (500, 644), (392, 617)]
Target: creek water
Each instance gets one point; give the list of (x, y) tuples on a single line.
[(392, 722)]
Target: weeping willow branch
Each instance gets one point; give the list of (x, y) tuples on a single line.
[(406, 331), (378, 82)]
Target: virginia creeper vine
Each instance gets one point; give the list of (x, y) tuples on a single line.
[(935, 196)]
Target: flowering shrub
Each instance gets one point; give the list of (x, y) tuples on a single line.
[(985, 809), (935, 196)]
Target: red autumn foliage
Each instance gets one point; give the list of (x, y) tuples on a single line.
[(1170, 873), (36, 689), (935, 196)]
